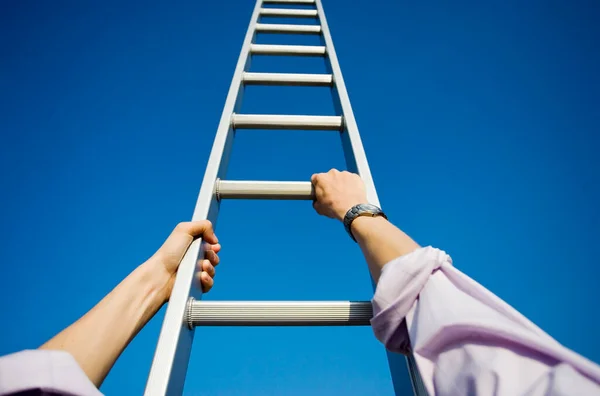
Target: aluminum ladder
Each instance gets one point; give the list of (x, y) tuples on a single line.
[(185, 311)]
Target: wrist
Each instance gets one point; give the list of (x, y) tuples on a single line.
[(363, 224), (155, 281), (358, 211), (341, 213)]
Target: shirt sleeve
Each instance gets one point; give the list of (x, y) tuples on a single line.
[(43, 372), (466, 340)]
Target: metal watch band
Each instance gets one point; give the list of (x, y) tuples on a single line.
[(361, 210)]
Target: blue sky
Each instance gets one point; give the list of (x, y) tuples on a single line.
[(480, 122)]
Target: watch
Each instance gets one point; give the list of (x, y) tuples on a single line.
[(361, 210)]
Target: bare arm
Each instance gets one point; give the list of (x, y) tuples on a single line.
[(98, 338), (380, 242), (379, 239), (465, 340)]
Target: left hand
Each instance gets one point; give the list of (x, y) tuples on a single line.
[(173, 249)]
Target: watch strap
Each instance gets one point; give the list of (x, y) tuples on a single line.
[(360, 210)]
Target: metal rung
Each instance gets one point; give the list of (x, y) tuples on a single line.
[(288, 1), (175, 343), (236, 189), (315, 80), (279, 313), (288, 12), (287, 122), (287, 29), (300, 50)]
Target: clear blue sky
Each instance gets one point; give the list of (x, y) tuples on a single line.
[(480, 122)]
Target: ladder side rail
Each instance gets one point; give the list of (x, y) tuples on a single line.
[(356, 161), (171, 358)]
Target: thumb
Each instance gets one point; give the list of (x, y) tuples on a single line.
[(197, 229)]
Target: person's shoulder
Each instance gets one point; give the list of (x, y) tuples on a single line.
[(43, 372)]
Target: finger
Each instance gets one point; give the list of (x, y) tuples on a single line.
[(201, 228), (209, 269), (314, 178), (212, 257), (215, 248), (206, 266), (319, 192), (318, 207), (206, 282)]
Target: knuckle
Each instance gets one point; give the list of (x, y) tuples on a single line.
[(206, 224), (209, 269)]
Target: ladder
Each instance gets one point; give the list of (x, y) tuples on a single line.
[(185, 310)]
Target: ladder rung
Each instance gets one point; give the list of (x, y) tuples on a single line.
[(289, 29), (237, 189), (300, 50), (288, 1), (287, 122), (288, 12), (317, 80), (279, 313)]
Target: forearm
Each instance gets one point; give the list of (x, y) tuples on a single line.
[(380, 242), (100, 336)]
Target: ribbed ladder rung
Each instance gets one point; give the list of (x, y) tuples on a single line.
[(289, 79), (288, 12), (298, 50), (183, 313), (300, 2), (250, 189), (287, 29), (288, 122), (279, 313)]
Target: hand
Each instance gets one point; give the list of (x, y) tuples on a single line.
[(336, 192), (170, 254)]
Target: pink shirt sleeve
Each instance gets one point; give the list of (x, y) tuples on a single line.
[(43, 372), (466, 340)]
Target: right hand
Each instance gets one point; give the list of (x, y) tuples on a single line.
[(337, 192)]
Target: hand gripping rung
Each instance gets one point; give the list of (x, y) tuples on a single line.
[(288, 1), (288, 12), (289, 122), (279, 313), (297, 50), (287, 29), (290, 79), (250, 189)]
